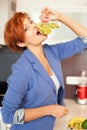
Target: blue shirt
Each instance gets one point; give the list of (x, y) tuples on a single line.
[(29, 85)]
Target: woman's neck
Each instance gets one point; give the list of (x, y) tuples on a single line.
[(37, 51)]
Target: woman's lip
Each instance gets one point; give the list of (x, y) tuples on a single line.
[(37, 31), (39, 34)]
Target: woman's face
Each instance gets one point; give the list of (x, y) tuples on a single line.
[(32, 36)]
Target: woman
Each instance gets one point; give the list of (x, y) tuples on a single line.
[(35, 94)]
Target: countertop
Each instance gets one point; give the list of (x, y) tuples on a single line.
[(75, 109)]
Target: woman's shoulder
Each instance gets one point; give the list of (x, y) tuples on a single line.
[(22, 64)]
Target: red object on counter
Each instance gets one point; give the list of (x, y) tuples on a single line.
[(82, 91)]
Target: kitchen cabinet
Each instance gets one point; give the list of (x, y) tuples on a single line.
[(5, 67), (75, 110), (3, 126)]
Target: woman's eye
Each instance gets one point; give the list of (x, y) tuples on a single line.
[(31, 21), (26, 29)]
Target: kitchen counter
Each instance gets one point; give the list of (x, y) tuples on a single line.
[(75, 109)]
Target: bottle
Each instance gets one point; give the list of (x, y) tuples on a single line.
[(83, 78), (82, 88)]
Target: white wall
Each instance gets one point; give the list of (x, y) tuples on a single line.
[(7, 8), (3, 14), (30, 5), (74, 8), (26, 5)]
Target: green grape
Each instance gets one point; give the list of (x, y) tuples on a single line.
[(46, 28)]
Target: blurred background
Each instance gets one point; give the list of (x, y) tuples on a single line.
[(76, 9), (72, 66)]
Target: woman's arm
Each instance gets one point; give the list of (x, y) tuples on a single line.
[(29, 114), (56, 111), (53, 15), (75, 26)]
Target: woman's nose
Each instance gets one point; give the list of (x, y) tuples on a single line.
[(34, 25)]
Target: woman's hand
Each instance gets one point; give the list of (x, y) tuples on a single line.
[(59, 111), (48, 14)]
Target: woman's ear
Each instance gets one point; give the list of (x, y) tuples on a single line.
[(21, 44)]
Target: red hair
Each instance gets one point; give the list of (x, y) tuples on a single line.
[(14, 31)]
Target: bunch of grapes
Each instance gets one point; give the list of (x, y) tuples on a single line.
[(46, 28)]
